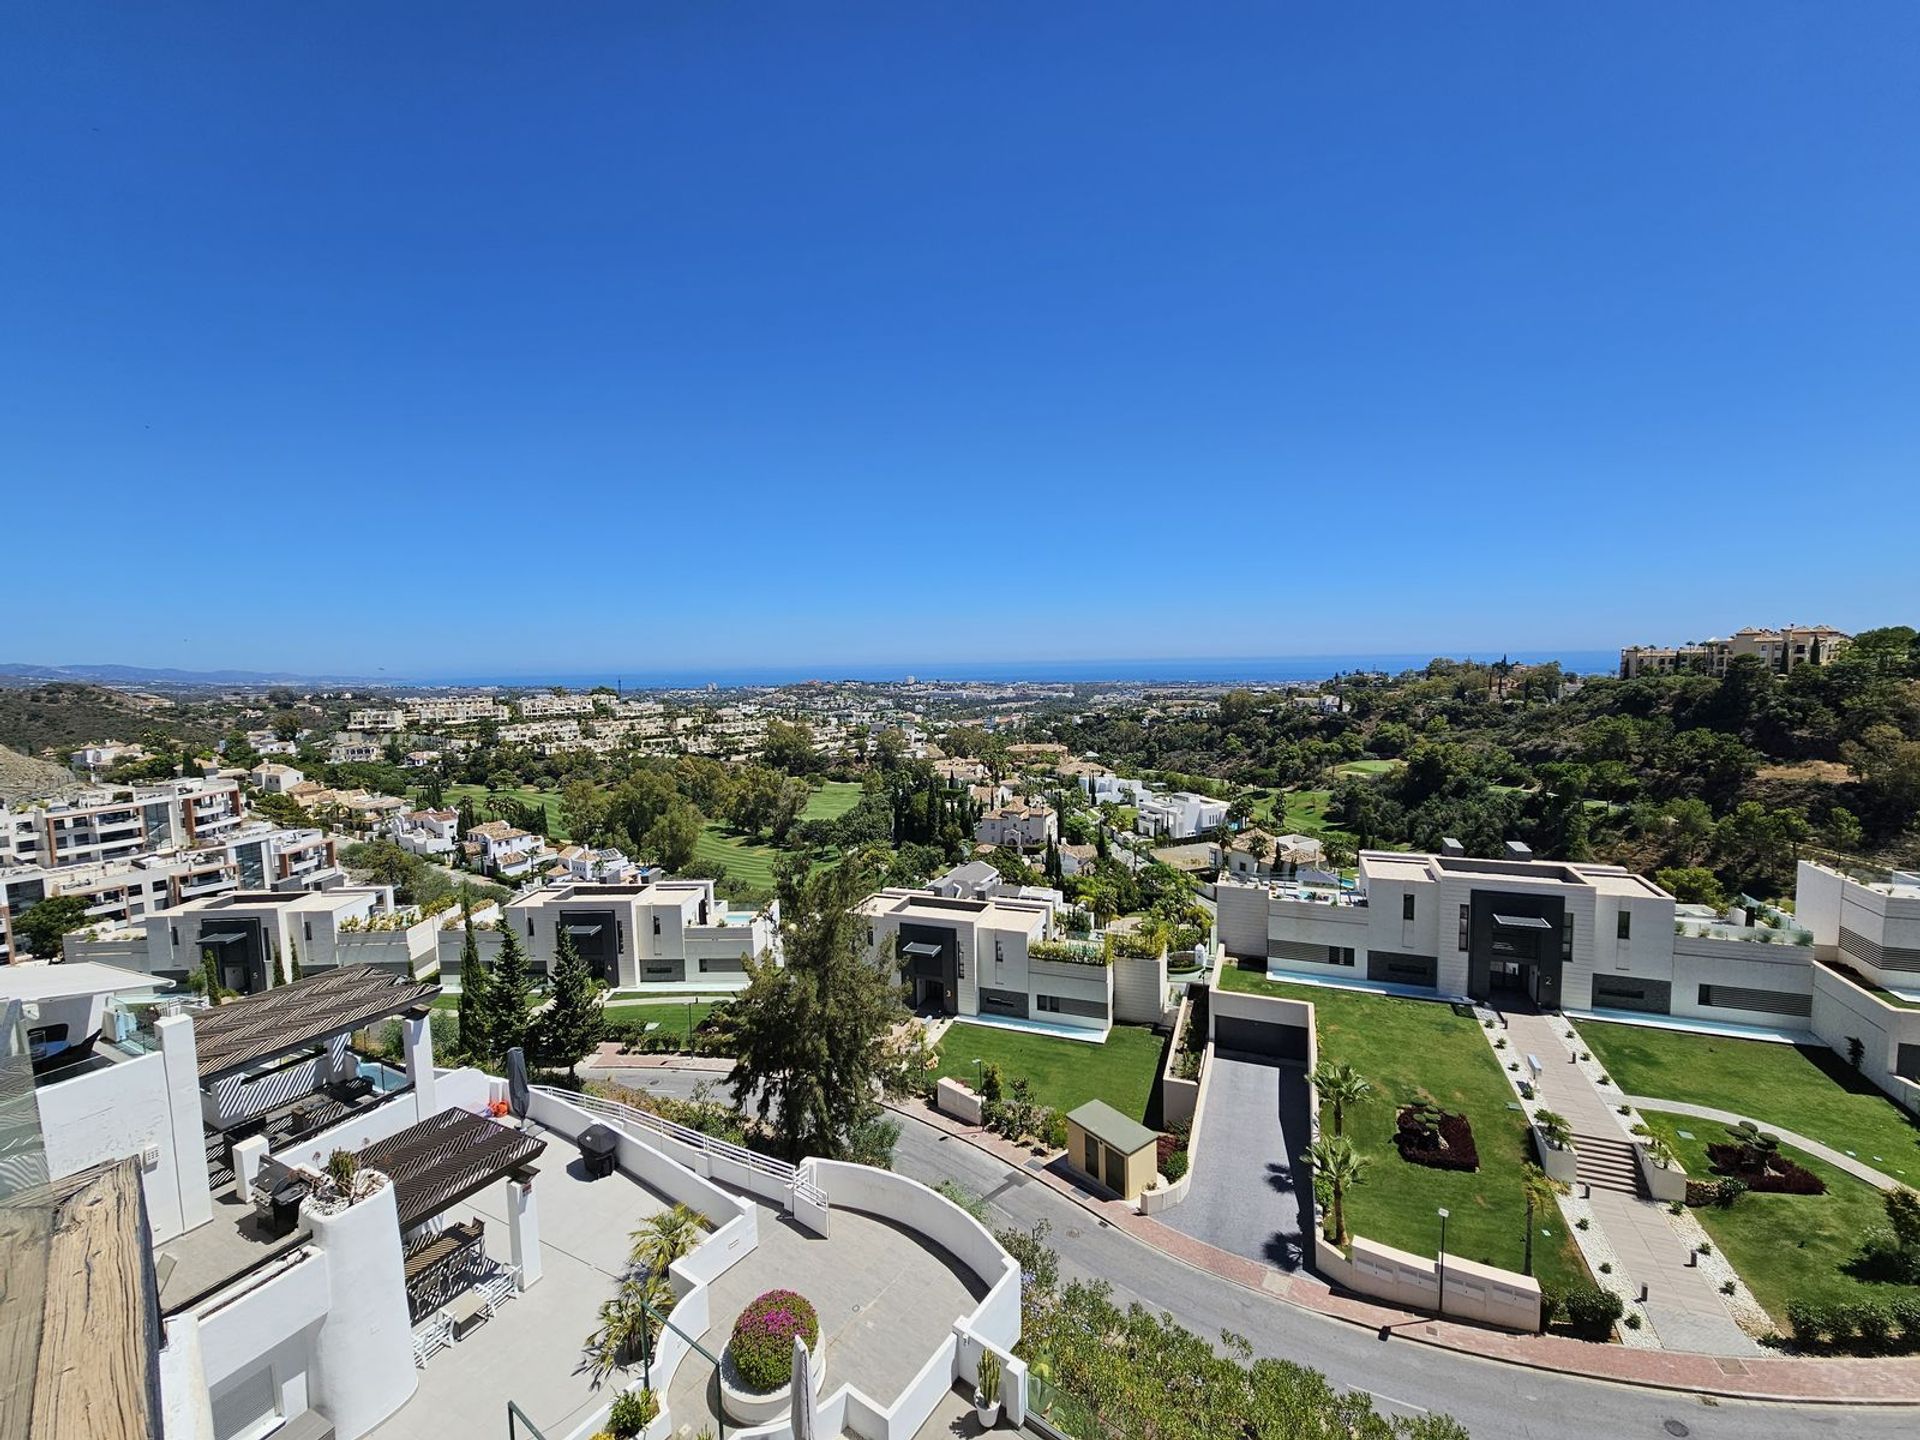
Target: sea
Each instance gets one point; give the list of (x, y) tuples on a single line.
[(1262, 670)]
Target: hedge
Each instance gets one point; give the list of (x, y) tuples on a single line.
[(1879, 1326), (762, 1343)]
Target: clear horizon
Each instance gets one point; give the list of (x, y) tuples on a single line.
[(342, 343)]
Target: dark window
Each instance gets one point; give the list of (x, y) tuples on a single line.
[(1624, 925), (1406, 907), (999, 953), (1049, 1003), (1566, 937), (1464, 924), (1339, 955), (656, 924)]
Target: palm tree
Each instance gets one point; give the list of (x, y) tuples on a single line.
[(628, 1324), (1340, 1167), (1540, 1190), (1342, 1085), (1554, 1128), (664, 1238)]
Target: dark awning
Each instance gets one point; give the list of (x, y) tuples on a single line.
[(445, 1158), (919, 947), (219, 937), (593, 929), (1522, 922)]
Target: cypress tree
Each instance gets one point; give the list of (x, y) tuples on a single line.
[(279, 966), (474, 1012), (569, 1029), (509, 995)]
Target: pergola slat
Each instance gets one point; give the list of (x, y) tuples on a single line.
[(254, 1028), (445, 1158)]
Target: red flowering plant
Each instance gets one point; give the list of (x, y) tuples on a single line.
[(762, 1344)]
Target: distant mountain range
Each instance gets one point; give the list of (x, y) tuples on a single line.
[(17, 672)]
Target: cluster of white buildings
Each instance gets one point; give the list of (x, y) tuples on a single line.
[(130, 852), (1162, 814), (1844, 966)]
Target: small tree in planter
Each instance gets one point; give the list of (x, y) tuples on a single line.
[(986, 1395), (1554, 1128), (1338, 1167), (632, 1412)]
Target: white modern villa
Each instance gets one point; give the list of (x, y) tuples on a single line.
[(1598, 939), (670, 934)]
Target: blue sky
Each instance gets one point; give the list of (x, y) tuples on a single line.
[(468, 337)]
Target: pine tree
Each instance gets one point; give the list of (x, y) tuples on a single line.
[(293, 959), (509, 996), (279, 966), (569, 1029), (475, 1009)]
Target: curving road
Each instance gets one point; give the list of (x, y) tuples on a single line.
[(1492, 1399)]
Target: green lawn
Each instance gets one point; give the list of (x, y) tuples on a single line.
[(832, 800), (1299, 812), (1064, 1073), (1413, 1048), (1787, 1247), (525, 795), (1369, 767), (669, 1015), (1808, 1090), (748, 862)]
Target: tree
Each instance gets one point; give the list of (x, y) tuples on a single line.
[(1692, 885), (476, 1007), (790, 747), (663, 1238), (280, 965), (673, 837), (572, 1026), (583, 810), (810, 1036), (1341, 1085), (509, 996), (42, 925), (1337, 1167), (1539, 1188), (1903, 1217)]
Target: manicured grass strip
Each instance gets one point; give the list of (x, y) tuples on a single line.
[(1064, 1073), (1369, 767), (1413, 1048), (748, 862), (524, 794), (669, 1015), (1300, 812), (832, 800), (1787, 1247), (1806, 1089)]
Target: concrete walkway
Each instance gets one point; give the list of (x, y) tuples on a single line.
[(1682, 1303), (1838, 1159)]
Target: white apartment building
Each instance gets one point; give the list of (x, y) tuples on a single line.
[(377, 721), (535, 707), (271, 857), (532, 732), (1784, 649), (118, 824), (106, 755), (462, 710), (1018, 826), (116, 891), (674, 933), (355, 750), (1599, 939)]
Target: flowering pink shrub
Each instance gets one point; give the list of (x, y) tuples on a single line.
[(762, 1344)]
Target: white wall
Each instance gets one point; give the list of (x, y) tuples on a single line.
[(363, 1368), (112, 1112), (355, 1133), (1242, 918), (273, 1323)]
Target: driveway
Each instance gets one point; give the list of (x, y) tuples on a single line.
[(1245, 1197)]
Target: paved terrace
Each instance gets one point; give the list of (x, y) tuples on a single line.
[(886, 1299), (530, 1351)]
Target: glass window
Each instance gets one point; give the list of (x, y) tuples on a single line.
[(1463, 926), (1624, 925), (1406, 907)]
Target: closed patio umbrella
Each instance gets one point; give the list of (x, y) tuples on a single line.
[(517, 1095), (806, 1421)]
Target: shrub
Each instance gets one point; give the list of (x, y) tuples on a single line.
[(1592, 1310), (1176, 1165), (1056, 1130), (1874, 1324), (1633, 1320), (1606, 1267), (632, 1412), (1428, 1135), (762, 1343), (1582, 1223), (1715, 1192), (1777, 1175), (1727, 1287)]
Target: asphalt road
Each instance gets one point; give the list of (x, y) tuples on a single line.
[(1492, 1399)]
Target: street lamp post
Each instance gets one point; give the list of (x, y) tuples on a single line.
[(976, 1074), (689, 1027), (1443, 1261)]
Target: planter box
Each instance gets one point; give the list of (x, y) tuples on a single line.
[(752, 1407), (1664, 1183), (1562, 1164)]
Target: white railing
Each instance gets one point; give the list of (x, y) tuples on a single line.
[(711, 1145)]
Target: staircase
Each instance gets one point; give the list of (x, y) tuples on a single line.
[(1606, 1163)]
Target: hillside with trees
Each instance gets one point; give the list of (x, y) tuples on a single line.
[(1714, 783)]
